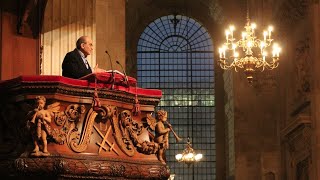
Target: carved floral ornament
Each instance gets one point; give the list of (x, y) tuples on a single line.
[(50, 124)]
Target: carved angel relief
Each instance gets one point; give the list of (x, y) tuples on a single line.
[(129, 130), (161, 137), (127, 134), (39, 124)]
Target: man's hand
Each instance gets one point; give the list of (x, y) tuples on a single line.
[(98, 70)]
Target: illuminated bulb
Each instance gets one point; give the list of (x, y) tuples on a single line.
[(273, 53), (278, 49), (265, 33), (224, 47), (198, 157), (253, 25), (220, 52), (264, 53), (189, 156), (227, 32), (231, 28), (244, 34), (178, 157)]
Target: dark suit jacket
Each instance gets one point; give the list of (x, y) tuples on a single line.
[(73, 65)]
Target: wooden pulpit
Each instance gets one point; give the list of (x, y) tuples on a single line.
[(55, 127)]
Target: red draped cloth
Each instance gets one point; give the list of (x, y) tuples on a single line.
[(103, 82)]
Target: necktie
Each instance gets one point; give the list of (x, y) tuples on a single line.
[(86, 62)]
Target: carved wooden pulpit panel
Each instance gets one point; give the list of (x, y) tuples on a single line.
[(57, 127)]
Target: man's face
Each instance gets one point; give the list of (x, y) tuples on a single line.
[(87, 47)]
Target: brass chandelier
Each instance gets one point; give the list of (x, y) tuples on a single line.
[(188, 155), (254, 53)]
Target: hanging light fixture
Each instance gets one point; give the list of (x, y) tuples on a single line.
[(254, 53), (188, 155)]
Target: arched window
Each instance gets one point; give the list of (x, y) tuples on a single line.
[(175, 54)]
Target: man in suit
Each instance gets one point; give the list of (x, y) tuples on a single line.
[(75, 64)]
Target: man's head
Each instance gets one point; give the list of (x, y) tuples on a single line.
[(84, 44)]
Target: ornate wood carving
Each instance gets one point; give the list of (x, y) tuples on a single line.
[(68, 119), (121, 135), (82, 140), (86, 133), (87, 168)]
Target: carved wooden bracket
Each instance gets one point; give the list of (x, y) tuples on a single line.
[(30, 17), (297, 136)]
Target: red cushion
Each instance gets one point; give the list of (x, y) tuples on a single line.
[(83, 83)]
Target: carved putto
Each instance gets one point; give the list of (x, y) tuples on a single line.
[(39, 125), (161, 137)]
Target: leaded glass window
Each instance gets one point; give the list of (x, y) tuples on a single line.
[(175, 54)]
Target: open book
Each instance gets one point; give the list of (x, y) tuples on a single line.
[(107, 77), (115, 71)]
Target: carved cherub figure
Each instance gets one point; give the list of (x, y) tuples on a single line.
[(39, 125), (161, 133)]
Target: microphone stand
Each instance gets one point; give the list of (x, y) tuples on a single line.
[(125, 74), (113, 78)]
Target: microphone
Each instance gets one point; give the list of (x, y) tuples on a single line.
[(113, 78), (124, 72)]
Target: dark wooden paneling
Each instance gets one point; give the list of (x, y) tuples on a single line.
[(19, 54)]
